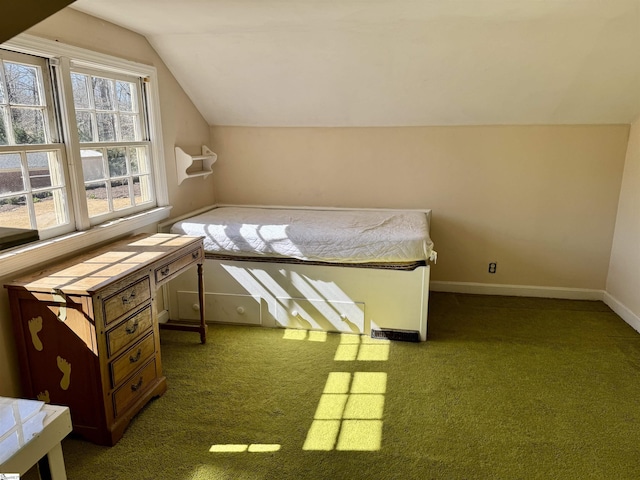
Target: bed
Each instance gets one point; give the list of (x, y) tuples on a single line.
[(342, 270)]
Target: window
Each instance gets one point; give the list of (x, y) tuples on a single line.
[(33, 192), (111, 127), (79, 138)]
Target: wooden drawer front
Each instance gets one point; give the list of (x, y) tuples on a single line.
[(129, 331), (169, 269), (134, 387), (126, 300), (130, 360)]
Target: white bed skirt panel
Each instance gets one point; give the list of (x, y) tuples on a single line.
[(302, 296)]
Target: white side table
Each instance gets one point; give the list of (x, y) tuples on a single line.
[(31, 430)]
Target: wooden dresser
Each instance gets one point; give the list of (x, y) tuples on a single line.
[(87, 333)]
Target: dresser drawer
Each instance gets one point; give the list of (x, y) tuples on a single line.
[(171, 268), (135, 387), (126, 300), (129, 331), (130, 360)]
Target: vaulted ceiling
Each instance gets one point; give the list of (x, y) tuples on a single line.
[(395, 62)]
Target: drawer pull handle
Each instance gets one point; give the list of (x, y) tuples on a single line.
[(165, 271), (136, 386), (195, 255), (132, 329), (126, 299), (133, 359)]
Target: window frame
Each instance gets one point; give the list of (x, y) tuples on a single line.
[(52, 143), (144, 134), (47, 92), (86, 233)]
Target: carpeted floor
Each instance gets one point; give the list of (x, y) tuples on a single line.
[(505, 388)]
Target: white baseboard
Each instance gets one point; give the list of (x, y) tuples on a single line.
[(163, 316), (622, 311), (516, 290)]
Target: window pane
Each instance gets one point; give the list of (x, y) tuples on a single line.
[(139, 160), (92, 166), (80, 90), (11, 179), (14, 213), (38, 166), (120, 194), (103, 93), (22, 83), (125, 94), (3, 98), (85, 129), (142, 189), (4, 140), (117, 161), (106, 127), (128, 128), (97, 200), (51, 208), (28, 126), (44, 170)]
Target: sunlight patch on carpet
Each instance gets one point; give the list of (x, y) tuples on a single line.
[(322, 435), (308, 335), (239, 448), (349, 413), (362, 348), (360, 435)]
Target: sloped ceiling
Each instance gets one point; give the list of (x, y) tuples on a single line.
[(395, 62)]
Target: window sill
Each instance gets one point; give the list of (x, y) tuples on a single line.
[(34, 254)]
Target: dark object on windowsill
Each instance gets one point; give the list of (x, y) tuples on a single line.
[(12, 237)]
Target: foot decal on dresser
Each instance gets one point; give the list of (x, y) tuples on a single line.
[(35, 325), (44, 396), (65, 368)]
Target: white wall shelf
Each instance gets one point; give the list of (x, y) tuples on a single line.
[(189, 166)]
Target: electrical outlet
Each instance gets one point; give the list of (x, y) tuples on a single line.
[(492, 267)]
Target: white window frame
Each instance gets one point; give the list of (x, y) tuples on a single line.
[(86, 235), (142, 142)]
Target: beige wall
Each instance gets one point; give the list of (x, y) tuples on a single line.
[(182, 125), (539, 200), (623, 282)]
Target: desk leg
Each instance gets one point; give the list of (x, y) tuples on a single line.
[(51, 467), (203, 325)]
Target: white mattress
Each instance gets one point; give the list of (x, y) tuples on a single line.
[(338, 236)]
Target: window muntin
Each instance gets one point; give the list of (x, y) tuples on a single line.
[(33, 192), (23, 108), (107, 109), (116, 178), (116, 156)]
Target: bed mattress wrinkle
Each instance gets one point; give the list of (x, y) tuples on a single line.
[(337, 236)]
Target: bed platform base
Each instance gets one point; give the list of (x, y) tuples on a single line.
[(321, 297)]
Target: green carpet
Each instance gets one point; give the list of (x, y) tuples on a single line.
[(505, 388)]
